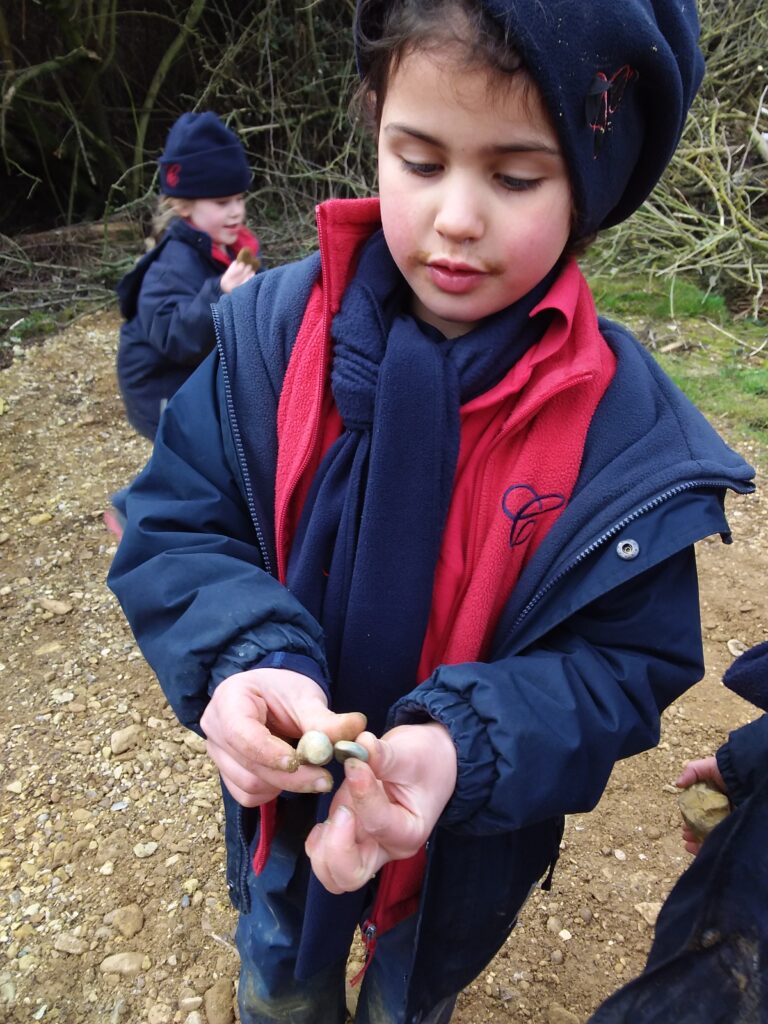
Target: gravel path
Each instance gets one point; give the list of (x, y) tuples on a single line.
[(113, 905)]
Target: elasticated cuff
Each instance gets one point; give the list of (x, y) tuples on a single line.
[(300, 663), (735, 791), (247, 654), (476, 774)]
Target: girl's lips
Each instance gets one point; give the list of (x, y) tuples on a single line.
[(455, 278)]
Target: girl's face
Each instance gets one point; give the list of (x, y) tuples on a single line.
[(475, 196), (220, 218)]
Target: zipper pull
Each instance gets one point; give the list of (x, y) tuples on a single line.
[(369, 940)]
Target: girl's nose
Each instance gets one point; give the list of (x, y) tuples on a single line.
[(459, 216)]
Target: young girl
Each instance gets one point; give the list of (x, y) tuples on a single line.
[(422, 486), (166, 298)]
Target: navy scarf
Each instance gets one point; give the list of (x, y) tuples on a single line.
[(366, 547), (364, 555)]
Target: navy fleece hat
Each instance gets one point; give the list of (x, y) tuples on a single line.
[(748, 676), (203, 159), (617, 77)]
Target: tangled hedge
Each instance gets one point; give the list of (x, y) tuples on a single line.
[(116, 74)]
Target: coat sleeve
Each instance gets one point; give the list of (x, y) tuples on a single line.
[(743, 760), (175, 307), (538, 733), (189, 572)]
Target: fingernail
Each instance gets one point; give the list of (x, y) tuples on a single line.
[(342, 815), (323, 785), (287, 763)]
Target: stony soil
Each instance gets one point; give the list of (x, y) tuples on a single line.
[(114, 906)]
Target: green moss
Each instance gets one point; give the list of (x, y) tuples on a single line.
[(655, 297)]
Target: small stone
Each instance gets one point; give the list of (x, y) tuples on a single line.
[(40, 518), (556, 956), (15, 787), (62, 852), (195, 743), (557, 1014), (127, 965), (554, 925), (8, 992), (125, 739), (649, 912), (314, 747), (189, 1003), (128, 920), (565, 935), (67, 942), (619, 855), (194, 1018), (218, 1003), (703, 807), (49, 604), (345, 749), (586, 915), (654, 833), (62, 696), (144, 850), (736, 647), (159, 1014)]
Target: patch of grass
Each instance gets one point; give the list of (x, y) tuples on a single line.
[(619, 296), (733, 392), (720, 362)]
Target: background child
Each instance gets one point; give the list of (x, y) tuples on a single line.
[(422, 483), (741, 765), (166, 298), (709, 959)]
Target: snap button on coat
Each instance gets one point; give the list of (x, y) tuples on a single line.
[(628, 549)]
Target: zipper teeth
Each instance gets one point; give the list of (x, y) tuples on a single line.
[(239, 446), (653, 503)]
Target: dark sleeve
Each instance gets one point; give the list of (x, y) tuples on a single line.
[(189, 572), (175, 308), (743, 760), (538, 733)]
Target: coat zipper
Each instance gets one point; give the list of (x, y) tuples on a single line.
[(616, 528), (239, 447)]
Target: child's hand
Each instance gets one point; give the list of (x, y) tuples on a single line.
[(247, 722), (385, 809), (237, 273), (703, 770)]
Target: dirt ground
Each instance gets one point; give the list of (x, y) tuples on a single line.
[(113, 902)]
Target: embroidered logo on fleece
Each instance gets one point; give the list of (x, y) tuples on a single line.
[(522, 506), (173, 174), (603, 100)]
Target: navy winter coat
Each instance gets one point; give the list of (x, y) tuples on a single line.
[(601, 633), (166, 302)]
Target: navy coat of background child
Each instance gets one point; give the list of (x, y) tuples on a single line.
[(166, 298), (166, 302)]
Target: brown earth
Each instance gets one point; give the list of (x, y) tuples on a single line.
[(107, 851)]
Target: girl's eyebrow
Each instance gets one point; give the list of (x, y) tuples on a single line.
[(498, 149)]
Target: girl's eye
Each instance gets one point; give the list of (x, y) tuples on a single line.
[(518, 184), (423, 170)]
